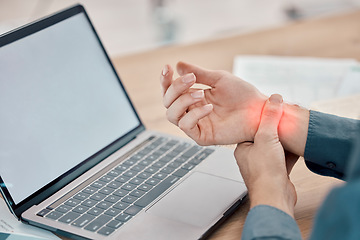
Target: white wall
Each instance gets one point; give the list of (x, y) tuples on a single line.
[(128, 26)]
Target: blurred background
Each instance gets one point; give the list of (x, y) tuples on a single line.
[(130, 26)]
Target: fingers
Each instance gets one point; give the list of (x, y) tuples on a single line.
[(188, 123), (177, 88), (203, 76), (270, 119), (166, 78), (179, 107)]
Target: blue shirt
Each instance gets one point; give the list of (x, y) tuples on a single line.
[(332, 149)]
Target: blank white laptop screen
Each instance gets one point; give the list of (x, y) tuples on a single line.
[(60, 103)]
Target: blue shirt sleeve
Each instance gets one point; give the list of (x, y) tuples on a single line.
[(329, 143), (266, 222)]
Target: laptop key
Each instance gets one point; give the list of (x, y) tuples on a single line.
[(130, 173), (80, 209), (106, 190), (114, 185), (112, 212), (104, 205), (181, 159), (129, 199), (114, 173), (106, 231), (151, 169), (83, 220), (95, 211), (204, 154), (144, 175), (159, 164), (122, 167), (115, 224), (63, 208), (146, 162), (181, 172), (137, 168), (156, 191), (89, 203), (133, 210), (166, 158), (130, 162), (152, 181), (137, 193), (145, 187), (172, 154), (120, 192), (112, 199), (43, 212), (54, 215), (121, 205), (69, 217), (122, 179), (128, 186), (188, 166), (137, 157), (106, 178), (123, 217), (81, 196), (98, 196), (98, 184), (192, 151), (72, 202), (167, 170), (174, 164), (137, 181), (195, 161), (89, 190), (160, 176), (98, 223)]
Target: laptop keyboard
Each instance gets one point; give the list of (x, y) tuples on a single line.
[(122, 192)]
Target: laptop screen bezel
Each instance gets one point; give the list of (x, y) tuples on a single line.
[(88, 163)]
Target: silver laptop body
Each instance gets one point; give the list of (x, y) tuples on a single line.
[(75, 157)]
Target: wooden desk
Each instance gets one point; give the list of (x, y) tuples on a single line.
[(337, 36)]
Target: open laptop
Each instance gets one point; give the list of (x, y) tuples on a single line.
[(75, 157)]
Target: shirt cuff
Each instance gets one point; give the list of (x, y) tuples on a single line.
[(329, 143), (266, 222)]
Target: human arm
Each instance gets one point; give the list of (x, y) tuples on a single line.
[(265, 166), (228, 111)]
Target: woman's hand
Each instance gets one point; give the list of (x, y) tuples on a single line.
[(228, 112), (264, 164)]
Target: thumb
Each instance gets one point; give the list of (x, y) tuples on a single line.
[(204, 76), (270, 118)]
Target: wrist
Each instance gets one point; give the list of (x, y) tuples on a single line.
[(293, 128), (275, 196)]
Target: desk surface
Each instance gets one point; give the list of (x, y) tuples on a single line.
[(337, 36)]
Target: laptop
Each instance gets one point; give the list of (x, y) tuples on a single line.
[(77, 160)]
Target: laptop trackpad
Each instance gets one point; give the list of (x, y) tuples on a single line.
[(199, 200)]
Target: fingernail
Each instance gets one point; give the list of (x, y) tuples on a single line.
[(276, 98), (188, 78), (208, 107), (198, 94), (165, 70)]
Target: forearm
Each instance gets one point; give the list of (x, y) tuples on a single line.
[(324, 140)]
